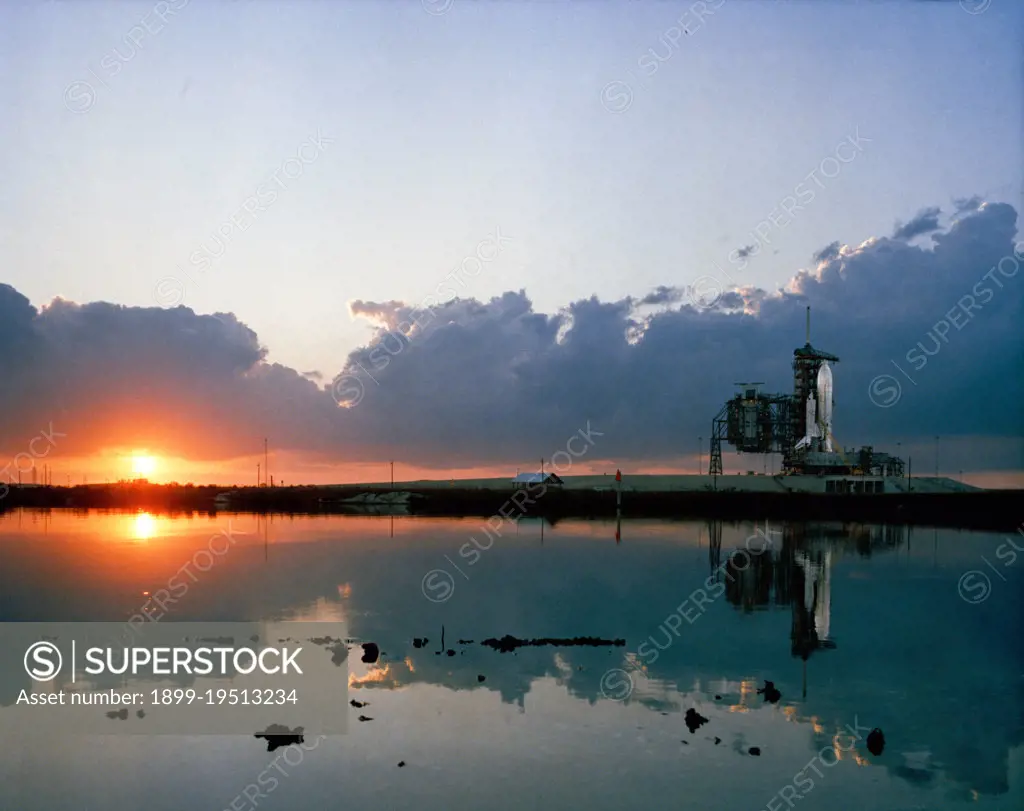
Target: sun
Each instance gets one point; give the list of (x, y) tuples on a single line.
[(143, 465)]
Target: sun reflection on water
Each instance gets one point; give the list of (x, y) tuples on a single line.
[(143, 527)]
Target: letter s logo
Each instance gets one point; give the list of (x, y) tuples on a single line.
[(43, 661)]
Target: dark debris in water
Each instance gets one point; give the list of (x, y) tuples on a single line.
[(278, 735), (694, 720), (358, 704), (876, 742), (509, 643), (371, 653), (420, 642), (755, 751), (770, 692), (339, 652), (365, 718)]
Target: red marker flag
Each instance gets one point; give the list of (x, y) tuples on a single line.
[(618, 475)]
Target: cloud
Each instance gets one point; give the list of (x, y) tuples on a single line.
[(478, 382), (663, 295), (966, 204), (926, 221), (828, 253)]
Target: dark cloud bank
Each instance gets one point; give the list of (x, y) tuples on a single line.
[(474, 383)]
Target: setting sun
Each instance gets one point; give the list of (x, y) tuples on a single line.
[(143, 465)]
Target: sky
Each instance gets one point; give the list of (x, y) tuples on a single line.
[(213, 213)]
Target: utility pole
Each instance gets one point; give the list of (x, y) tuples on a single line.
[(392, 474), (936, 456), (259, 481), (700, 454), (266, 460)]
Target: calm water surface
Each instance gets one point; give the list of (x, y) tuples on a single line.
[(857, 626)]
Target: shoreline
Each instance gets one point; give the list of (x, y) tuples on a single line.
[(991, 510)]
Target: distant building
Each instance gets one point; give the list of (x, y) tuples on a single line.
[(526, 479)]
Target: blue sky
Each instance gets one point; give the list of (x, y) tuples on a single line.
[(489, 114)]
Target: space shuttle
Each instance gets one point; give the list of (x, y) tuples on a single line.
[(819, 411)]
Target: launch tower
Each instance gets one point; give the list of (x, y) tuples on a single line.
[(798, 426)]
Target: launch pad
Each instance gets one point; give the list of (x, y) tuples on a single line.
[(798, 426)]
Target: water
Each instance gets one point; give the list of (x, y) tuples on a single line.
[(897, 635)]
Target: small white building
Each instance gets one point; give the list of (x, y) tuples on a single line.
[(526, 479)]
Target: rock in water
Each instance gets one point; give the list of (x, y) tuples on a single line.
[(769, 692), (509, 643), (694, 720), (371, 653), (755, 751), (278, 735), (876, 741)]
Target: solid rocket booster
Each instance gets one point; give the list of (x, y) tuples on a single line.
[(812, 419)]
